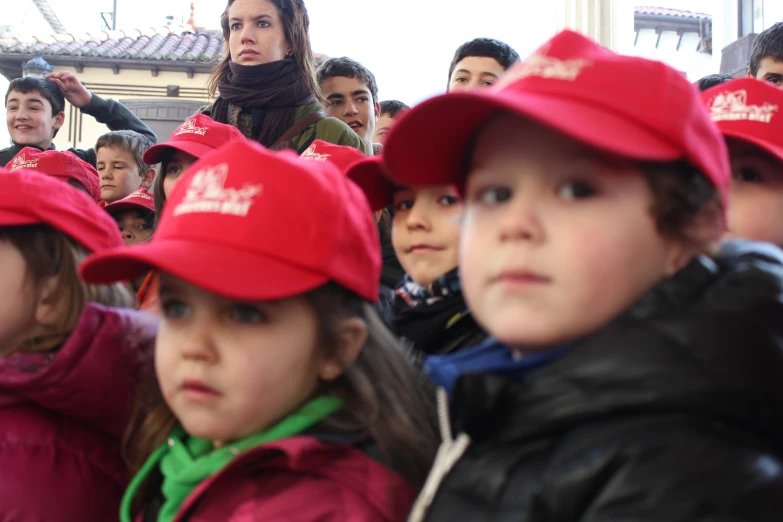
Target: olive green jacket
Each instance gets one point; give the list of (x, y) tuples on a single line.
[(327, 129)]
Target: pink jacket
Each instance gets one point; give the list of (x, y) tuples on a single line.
[(62, 416), (300, 479)]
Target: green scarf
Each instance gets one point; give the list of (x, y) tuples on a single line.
[(187, 461)]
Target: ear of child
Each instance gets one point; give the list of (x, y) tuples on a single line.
[(351, 337)]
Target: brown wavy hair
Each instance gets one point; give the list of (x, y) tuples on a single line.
[(384, 395), (49, 253), (296, 26)]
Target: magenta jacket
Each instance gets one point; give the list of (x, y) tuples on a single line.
[(62, 416), (300, 479)]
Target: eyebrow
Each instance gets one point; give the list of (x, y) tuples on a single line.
[(360, 92), (31, 100), (335, 96), (487, 73), (257, 17)]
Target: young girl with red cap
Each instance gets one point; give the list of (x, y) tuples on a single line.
[(69, 362), (428, 309), (199, 135), (279, 392), (749, 114), (636, 362)]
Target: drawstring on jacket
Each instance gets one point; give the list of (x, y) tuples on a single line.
[(449, 452)]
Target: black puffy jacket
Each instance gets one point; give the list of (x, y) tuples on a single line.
[(671, 413)]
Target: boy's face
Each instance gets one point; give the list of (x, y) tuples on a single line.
[(119, 173), (425, 232), (350, 100), (30, 120), (382, 128), (770, 70), (133, 228), (756, 209), (475, 72), (558, 239)]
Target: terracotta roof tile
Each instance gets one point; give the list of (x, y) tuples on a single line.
[(168, 43)]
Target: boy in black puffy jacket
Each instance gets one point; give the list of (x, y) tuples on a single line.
[(635, 368)]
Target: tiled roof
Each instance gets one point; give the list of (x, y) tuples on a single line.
[(665, 11), (168, 43)]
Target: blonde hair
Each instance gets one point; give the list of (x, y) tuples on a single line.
[(49, 253)]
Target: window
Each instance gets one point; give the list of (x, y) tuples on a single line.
[(757, 15)]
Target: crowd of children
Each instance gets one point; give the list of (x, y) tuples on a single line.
[(566, 307)]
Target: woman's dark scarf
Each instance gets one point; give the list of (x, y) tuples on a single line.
[(270, 92)]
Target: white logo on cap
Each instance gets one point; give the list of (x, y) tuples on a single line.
[(20, 162), (311, 155), (733, 106), (543, 66), (207, 193), (190, 127)]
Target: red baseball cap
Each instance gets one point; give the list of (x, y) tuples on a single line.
[(30, 198), (65, 165), (341, 155), (371, 176), (254, 225), (749, 110), (140, 199), (576, 87), (199, 135)]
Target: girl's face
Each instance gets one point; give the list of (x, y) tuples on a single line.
[(133, 227), (175, 167), (558, 239), (256, 32), (229, 369), (425, 233), (756, 209), (18, 308)]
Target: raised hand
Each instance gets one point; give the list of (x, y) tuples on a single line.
[(73, 90)]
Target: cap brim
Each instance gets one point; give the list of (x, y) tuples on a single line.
[(377, 188), (219, 269), (428, 145), (156, 153), (121, 206), (753, 140), (10, 219)]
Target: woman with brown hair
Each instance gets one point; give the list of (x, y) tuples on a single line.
[(267, 80)]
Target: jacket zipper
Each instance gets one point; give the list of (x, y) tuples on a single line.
[(449, 452)]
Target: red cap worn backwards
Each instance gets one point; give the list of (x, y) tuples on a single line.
[(255, 225), (33, 198), (749, 110), (199, 135), (138, 200), (64, 165), (340, 155), (575, 87)]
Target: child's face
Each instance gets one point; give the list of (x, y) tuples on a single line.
[(382, 128), (17, 310), (176, 167), (756, 209), (119, 173), (557, 239), (30, 120), (227, 368), (770, 70), (425, 232), (133, 228), (350, 100), (475, 72)]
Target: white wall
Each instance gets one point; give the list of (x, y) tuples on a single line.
[(687, 59)]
